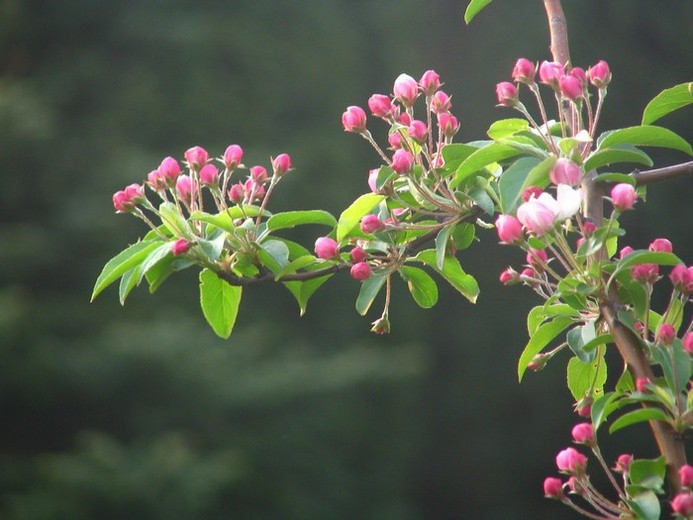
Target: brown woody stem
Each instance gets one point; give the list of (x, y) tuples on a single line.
[(663, 174)]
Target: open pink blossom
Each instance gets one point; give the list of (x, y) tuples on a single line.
[(565, 171)]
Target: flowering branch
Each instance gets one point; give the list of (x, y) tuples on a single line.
[(663, 174)]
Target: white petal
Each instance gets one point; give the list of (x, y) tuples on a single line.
[(569, 201)]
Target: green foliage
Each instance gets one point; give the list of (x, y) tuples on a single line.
[(667, 101), (473, 9), (220, 302)]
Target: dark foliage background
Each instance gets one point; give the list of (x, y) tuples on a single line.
[(141, 412)]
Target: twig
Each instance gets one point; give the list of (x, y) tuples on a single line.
[(663, 174)]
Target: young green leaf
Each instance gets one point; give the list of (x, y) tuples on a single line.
[(351, 216), (645, 505), (667, 101), (455, 153), (292, 219), (636, 416), (583, 377), (645, 135), (489, 154), (421, 286), (452, 271), (512, 182), (369, 290), (441, 245), (474, 7), (303, 290), (219, 301), (542, 337), (506, 127), (622, 153), (123, 262)]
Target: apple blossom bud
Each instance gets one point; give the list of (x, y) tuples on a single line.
[(405, 90), (259, 174), (686, 475), (506, 93), (395, 140), (196, 157), (565, 171), (570, 87), (576, 486), (666, 333), (371, 223), (688, 343), (579, 74), (440, 103), (326, 248), (571, 461), (537, 258), (531, 191), (642, 383), (209, 174), (417, 131), (373, 180), (126, 199), (585, 410), (645, 273), (623, 196), (583, 433), (157, 180), (404, 119), (357, 254), (537, 215), (354, 120), (661, 245), (524, 71), (237, 193), (623, 463), (429, 82), (509, 276), (553, 488), (254, 190), (528, 275), (448, 124), (281, 164), (381, 325), (233, 155), (682, 278), (360, 271), (509, 229), (589, 227), (380, 106), (402, 161), (538, 362), (625, 252), (170, 169), (184, 187), (550, 72), (599, 74), (180, 247), (579, 242), (683, 504), (639, 326)]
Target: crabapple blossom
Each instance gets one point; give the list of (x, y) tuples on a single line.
[(570, 87), (550, 72), (583, 433), (281, 164), (180, 247), (506, 94), (371, 223), (429, 82), (625, 252), (360, 271), (686, 475), (259, 174), (126, 199), (509, 229), (405, 89), (682, 278), (233, 155), (661, 245), (666, 333), (531, 191), (196, 157), (524, 71), (623, 196), (209, 174), (357, 254), (373, 180), (599, 74), (380, 105), (326, 248), (571, 461), (683, 504), (688, 343), (354, 120), (417, 131), (402, 161), (508, 276), (553, 488), (440, 103), (170, 169), (565, 171), (623, 462), (645, 273)]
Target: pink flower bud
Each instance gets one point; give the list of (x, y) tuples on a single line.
[(524, 71), (506, 93), (528, 272), (623, 196), (585, 410), (538, 362), (196, 157), (357, 254), (625, 252), (440, 103), (688, 343), (579, 74), (404, 119), (623, 463), (639, 326), (682, 278), (417, 131), (641, 384), (233, 156), (537, 258), (405, 90), (599, 74), (645, 273), (156, 180), (565, 171), (371, 224), (570, 87), (686, 475), (553, 488), (509, 229), (448, 124), (661, 245), (373, 180), (254, 190), (360, 271), (380, 106), (237, 193), (180, 247), (281, 164), (531, 191), (402, 161), (509, 276), (170, 169), (354, 120), (537, 215), (125, 200), (259, 174), (583, 433), (395, 140), (589, 227), (326, 248), (184, 187), (666, 333), (571, 461), (576, 486), (550, 72), (580, 241), (209, 174), (429, 82), (683, 504)]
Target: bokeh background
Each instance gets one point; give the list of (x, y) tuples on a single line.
[(141, 412)]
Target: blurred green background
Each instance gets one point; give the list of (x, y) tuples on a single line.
[(141, 412)]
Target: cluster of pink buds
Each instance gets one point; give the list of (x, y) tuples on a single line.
[(682, 504)]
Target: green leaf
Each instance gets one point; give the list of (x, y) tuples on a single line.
[(122, 263), (506, 127), (291, 219), (583, 377), (578, 337), (421, 286), (351, 216), (172, 219), (454, 154), (647, 474), (512, 182), (452, 271), (645, 135), (463, 235), (220, 302), (303, 290), (637, 416), (602, 407), (667, 101), (489, 154), (128, 282), (441, 245), (615, 177), (224, 220), (644, 257), (675, 363), (213, 248), (541, 313), (645, 505), (542, 337), (623, 153), (474, 7), (369, 290), (483, 200), (298, 263), (274, 254)]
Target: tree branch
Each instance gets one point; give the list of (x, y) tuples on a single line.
[(559, 31), (663, 174)]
